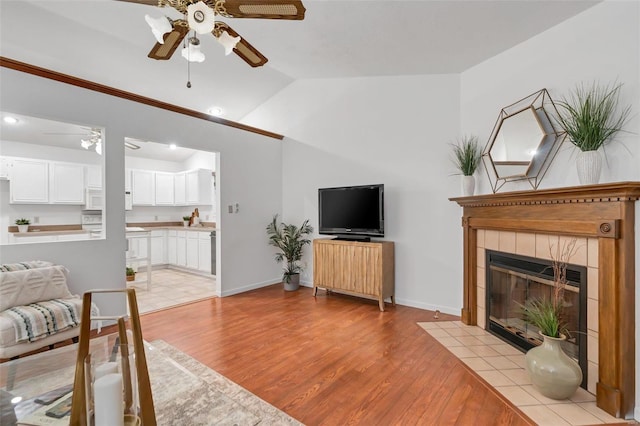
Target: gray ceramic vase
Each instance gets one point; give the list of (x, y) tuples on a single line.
[(553, 373), (293, 284)]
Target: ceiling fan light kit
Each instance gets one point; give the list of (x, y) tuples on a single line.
[(199, 16), (192, 52), (159, 27)]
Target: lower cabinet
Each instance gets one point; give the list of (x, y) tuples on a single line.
[(187, 249)]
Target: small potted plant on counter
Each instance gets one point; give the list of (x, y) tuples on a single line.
[(23, 224), (131, 274), (290, 240), (186, 220)]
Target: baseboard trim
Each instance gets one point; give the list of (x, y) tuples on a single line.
[(429, 307), (636, 415), (238, 290)]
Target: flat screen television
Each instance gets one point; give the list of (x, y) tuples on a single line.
[(352, 212)]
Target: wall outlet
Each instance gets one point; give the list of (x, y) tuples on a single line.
[(36, 219), (230, 208), (155, 218)]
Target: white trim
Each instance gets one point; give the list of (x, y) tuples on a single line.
[(251, 287)]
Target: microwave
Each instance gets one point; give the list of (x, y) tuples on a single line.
[(94, 199)]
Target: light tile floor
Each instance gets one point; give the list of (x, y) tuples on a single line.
[(503, 367), (170, 287)]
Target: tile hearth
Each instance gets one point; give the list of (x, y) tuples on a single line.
[(503, 367)]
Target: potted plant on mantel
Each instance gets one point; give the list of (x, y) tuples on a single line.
[(590, 116), (553, 373), (290, 240), (23, 224), (466, 157)]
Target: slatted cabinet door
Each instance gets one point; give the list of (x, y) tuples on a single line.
[(360, 268)]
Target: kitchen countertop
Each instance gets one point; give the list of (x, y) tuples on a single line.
[(36, 233)]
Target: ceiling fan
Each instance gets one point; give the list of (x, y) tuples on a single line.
[(199, 16)]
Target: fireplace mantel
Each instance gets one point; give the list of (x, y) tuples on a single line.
[(605, 212)]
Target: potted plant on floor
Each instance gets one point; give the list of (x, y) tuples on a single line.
[(466, 157), (591, 118), (131, 274), (23, 224), (290, 240), (553, 373)]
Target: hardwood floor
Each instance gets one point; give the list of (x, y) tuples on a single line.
[(333, 360)]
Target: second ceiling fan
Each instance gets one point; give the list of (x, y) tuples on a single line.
[(199, 17)]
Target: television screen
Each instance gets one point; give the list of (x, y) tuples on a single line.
[(352, 210)]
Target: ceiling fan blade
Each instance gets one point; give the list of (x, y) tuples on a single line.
[(171, 41), (243, 49), (269, 9)]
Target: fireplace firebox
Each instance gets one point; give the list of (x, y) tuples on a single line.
[(512, 280)]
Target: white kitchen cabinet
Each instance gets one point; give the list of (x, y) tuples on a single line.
[(172, 255), (94, 177), (164, 189), (67, 183), (143, 187), (4, 168), (181, 248), (204, 251), (199, 187), (158, 253), (74, 237), (29, 181), (192, 250), (179, 185)]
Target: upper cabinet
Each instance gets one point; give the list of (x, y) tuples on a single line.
[(67, 183), (199, 187), (29, 181), (143, 187), (164, 189), (34, 181), (94, 177), (190, 188)]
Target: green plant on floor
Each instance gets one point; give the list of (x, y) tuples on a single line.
[(590, 115), (130, 272), (467, 155), (22, 221), (546, 313), (290, 240)]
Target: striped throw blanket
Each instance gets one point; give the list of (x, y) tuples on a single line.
[(39, 320)]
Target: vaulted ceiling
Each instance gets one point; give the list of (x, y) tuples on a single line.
[(107, 41)]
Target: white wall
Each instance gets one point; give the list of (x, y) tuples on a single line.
[(249, 174), (390, 130), (601, 44)]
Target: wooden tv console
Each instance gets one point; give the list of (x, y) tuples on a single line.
[(359, 268)]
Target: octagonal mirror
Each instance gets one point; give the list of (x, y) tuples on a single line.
[(523, 142)]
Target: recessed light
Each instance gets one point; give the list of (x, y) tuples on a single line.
[(173, 146), (217, 111), (10, 120)]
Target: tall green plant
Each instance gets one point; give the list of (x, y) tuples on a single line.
[(467, 155), (290, 240), (590, 115), (547, 313)]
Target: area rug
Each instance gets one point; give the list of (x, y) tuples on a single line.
[(202, 396), (185, 393)]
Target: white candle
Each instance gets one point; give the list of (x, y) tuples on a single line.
[(109, 409), (106, 368)]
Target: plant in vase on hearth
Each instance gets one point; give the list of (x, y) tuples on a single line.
[(290, 240), (553, 373), (591, 118), (466, 158)]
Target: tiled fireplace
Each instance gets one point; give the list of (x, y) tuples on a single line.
[(601, 218)]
